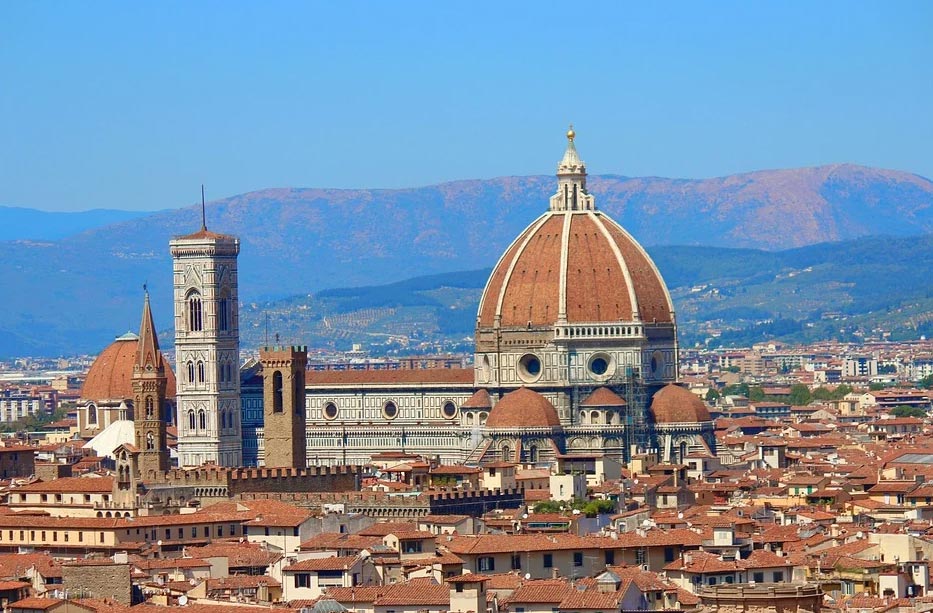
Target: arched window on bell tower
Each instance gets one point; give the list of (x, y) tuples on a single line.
[(150, 441), (149, 407), (223, 314), (195, 319)]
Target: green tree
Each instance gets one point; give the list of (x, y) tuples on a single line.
[(874, 387), (740, 389), (756, 394), (734, 369), (906, 411), (548, 506), (822, 393), (800, 395), (712, 396), (926, 382), (841, 391), (595, 507)]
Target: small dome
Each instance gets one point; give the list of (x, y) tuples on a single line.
[(523, 408), (111, 374), (479, 400), (603, 397), (673, 404)]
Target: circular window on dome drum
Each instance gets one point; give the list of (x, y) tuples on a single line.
[(449, 410), (601, 366), (529, 367), (330, 411), (390, 410)]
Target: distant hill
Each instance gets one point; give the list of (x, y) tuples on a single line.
[(17, 223), (738, 296), (76, 293)]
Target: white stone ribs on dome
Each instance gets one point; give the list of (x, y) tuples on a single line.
[(597, 221), (654, 268), (562, 285), (533, 230)]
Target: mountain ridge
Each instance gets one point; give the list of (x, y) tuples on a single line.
[(69, 294)]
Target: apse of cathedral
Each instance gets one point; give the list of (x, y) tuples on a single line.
[(575, 365)]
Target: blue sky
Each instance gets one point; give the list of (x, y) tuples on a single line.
[(134, 105)]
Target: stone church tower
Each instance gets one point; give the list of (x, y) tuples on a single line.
[(207, 345), (283, 383), (149, 382)]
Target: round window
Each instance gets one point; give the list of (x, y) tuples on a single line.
[(330, 411), (529, 367), (599, 365), (390, 410), (449, 410)]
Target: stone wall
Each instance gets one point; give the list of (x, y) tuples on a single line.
[(762, 598), (98, 579)]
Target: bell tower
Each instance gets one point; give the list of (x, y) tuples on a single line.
[(283, 399), (207, 347), (149, 383)]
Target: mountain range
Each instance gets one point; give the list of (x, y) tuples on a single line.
[(846, 290), (75, 293)]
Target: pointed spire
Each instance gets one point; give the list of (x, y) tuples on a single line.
[(147, 352), (571, 159), (571, 180)]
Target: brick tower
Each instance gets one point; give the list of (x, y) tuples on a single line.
[(149, 384), (283, 382)]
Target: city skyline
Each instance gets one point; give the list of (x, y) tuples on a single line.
[(132, 107)]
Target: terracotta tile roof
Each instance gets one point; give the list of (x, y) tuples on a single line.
[(597, 285), (6, 586), (37, 603), (523, 408), (452, 376), (239, 555), (479, 400), (170, 563), (675, 404), (110, 376), (603, 397), (541, 591), (329, 563), (468, 578), (104, 605), (414, 593), (362, 593), (591, 599), (388, 527), (86, 485)]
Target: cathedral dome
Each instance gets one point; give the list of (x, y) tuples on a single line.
[(573, 265), (523, 408), (673, 404), (111, 374)]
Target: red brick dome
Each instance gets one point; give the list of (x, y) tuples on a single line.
[(673, 404), (523, 408), (111, 374), (579, 264)]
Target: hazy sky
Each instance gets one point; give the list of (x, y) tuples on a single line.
[(133, 105)]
